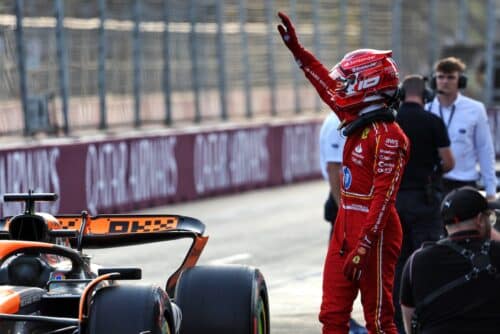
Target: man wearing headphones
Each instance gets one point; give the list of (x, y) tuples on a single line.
[(468, 128), (452, 286), (420, 193)]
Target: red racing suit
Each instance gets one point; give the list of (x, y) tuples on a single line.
[(373, 162)]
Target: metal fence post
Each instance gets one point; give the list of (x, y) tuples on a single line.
[(271, 70), (63, 61), (221, 58), (342, 25), (317, 44), (295, 73), (247, 79), (137, 62), (167, 89), (21, 63), (396, 30), (462, 23), (433, 34), (365, 14), (490, 52), (101, 80), (193, 48)]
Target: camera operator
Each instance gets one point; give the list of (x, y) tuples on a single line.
[(453, 285)]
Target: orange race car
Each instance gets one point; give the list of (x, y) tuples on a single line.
[(47, 284)]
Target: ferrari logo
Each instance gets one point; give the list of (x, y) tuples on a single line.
[(365, 133), (356, 259)]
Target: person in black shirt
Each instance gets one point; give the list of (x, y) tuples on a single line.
[(453, 285), (419, 195)]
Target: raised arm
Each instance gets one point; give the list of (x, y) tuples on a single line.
[(314, 71)]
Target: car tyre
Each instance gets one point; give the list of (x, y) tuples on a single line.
[(130, 310), (229, 299)]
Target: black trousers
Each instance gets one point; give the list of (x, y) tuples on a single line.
[(449, 185), (420, 221), (330, 211)]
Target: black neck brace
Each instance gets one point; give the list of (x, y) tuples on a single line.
[(382, 114)]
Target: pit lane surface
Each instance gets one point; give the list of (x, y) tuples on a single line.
[(278, 230)]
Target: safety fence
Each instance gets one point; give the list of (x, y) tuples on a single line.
[(73, 64)]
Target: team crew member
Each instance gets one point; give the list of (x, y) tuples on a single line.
[(453, 286), (331, 144), (468, 128), (420, 193), (367, 235)]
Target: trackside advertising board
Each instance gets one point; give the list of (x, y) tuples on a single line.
[(125, 174)]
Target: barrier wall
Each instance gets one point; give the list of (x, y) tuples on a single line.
[(118, 175), (125, 174)]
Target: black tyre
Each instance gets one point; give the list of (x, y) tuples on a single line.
[(223, 300), (130, 309)]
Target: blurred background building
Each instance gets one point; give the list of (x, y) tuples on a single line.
[(68, 65)]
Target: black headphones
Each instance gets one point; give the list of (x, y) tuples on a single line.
[(462, 81), (427, 94)]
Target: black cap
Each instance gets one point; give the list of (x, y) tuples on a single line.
[(464, 203)]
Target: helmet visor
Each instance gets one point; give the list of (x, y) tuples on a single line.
[(341, 83)]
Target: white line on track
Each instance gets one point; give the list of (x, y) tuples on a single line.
[(231, 259)]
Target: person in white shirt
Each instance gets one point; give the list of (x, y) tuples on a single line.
[(468, 129), (331, 145)]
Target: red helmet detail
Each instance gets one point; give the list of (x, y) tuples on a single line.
[(364, 77)]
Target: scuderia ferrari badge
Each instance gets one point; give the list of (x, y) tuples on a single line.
[(365, 133), (356, 259)]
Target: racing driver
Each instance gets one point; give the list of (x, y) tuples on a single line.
[(365, 246)]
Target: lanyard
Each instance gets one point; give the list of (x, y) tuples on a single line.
[(452, 113)]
